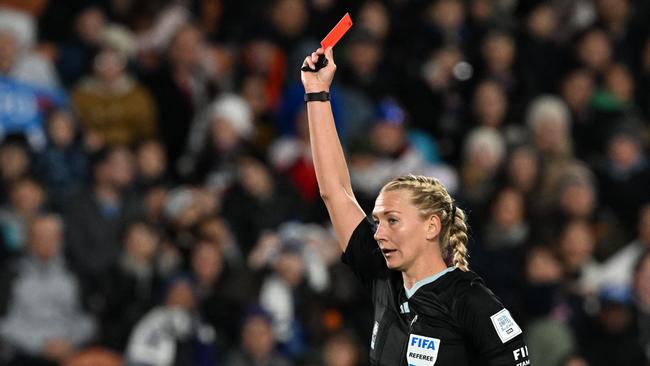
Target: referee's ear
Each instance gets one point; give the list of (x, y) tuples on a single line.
[(433, 227)]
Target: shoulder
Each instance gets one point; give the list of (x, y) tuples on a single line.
[(481, 313), (471, 296)]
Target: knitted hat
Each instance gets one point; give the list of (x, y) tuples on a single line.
[(235, 111)]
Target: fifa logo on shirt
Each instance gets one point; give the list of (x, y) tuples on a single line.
[(422, 351), (425, 343)]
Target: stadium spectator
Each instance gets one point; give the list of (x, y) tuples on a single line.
[(43, 319)]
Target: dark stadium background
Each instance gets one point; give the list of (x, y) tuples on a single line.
[(158, 204)]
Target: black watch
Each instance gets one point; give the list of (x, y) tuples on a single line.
[(322, 96)]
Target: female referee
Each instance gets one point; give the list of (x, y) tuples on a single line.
[(426, 312)]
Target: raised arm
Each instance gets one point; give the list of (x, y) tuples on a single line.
[(329, 161)]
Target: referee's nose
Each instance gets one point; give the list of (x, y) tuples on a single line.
[(379, 233)]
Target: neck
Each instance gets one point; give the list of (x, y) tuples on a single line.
[(425, 266)]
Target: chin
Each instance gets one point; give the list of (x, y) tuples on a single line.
[(394, 265)]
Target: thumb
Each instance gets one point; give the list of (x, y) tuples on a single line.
[(329, 53)]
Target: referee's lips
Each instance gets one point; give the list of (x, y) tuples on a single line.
[(387, 251)]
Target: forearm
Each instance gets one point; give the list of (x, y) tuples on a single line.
[(329, 161)]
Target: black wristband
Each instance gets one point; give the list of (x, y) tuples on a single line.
[(317, 97)]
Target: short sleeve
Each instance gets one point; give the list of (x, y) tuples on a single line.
[(363, 255), (491, 328)]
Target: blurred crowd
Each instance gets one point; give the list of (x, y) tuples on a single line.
[(159, 206)]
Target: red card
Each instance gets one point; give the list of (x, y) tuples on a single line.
[(337, 32)]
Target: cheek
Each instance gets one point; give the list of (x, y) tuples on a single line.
[(407, 239)]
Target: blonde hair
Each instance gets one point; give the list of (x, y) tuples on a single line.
[(432, 198)]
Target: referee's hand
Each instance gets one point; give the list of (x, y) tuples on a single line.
[(322, 79)]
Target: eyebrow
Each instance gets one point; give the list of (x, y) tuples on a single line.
[(384, 213)]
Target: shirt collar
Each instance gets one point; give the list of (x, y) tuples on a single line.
[(426, 281)]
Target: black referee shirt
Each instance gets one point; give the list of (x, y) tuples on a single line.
[(454, 320)]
